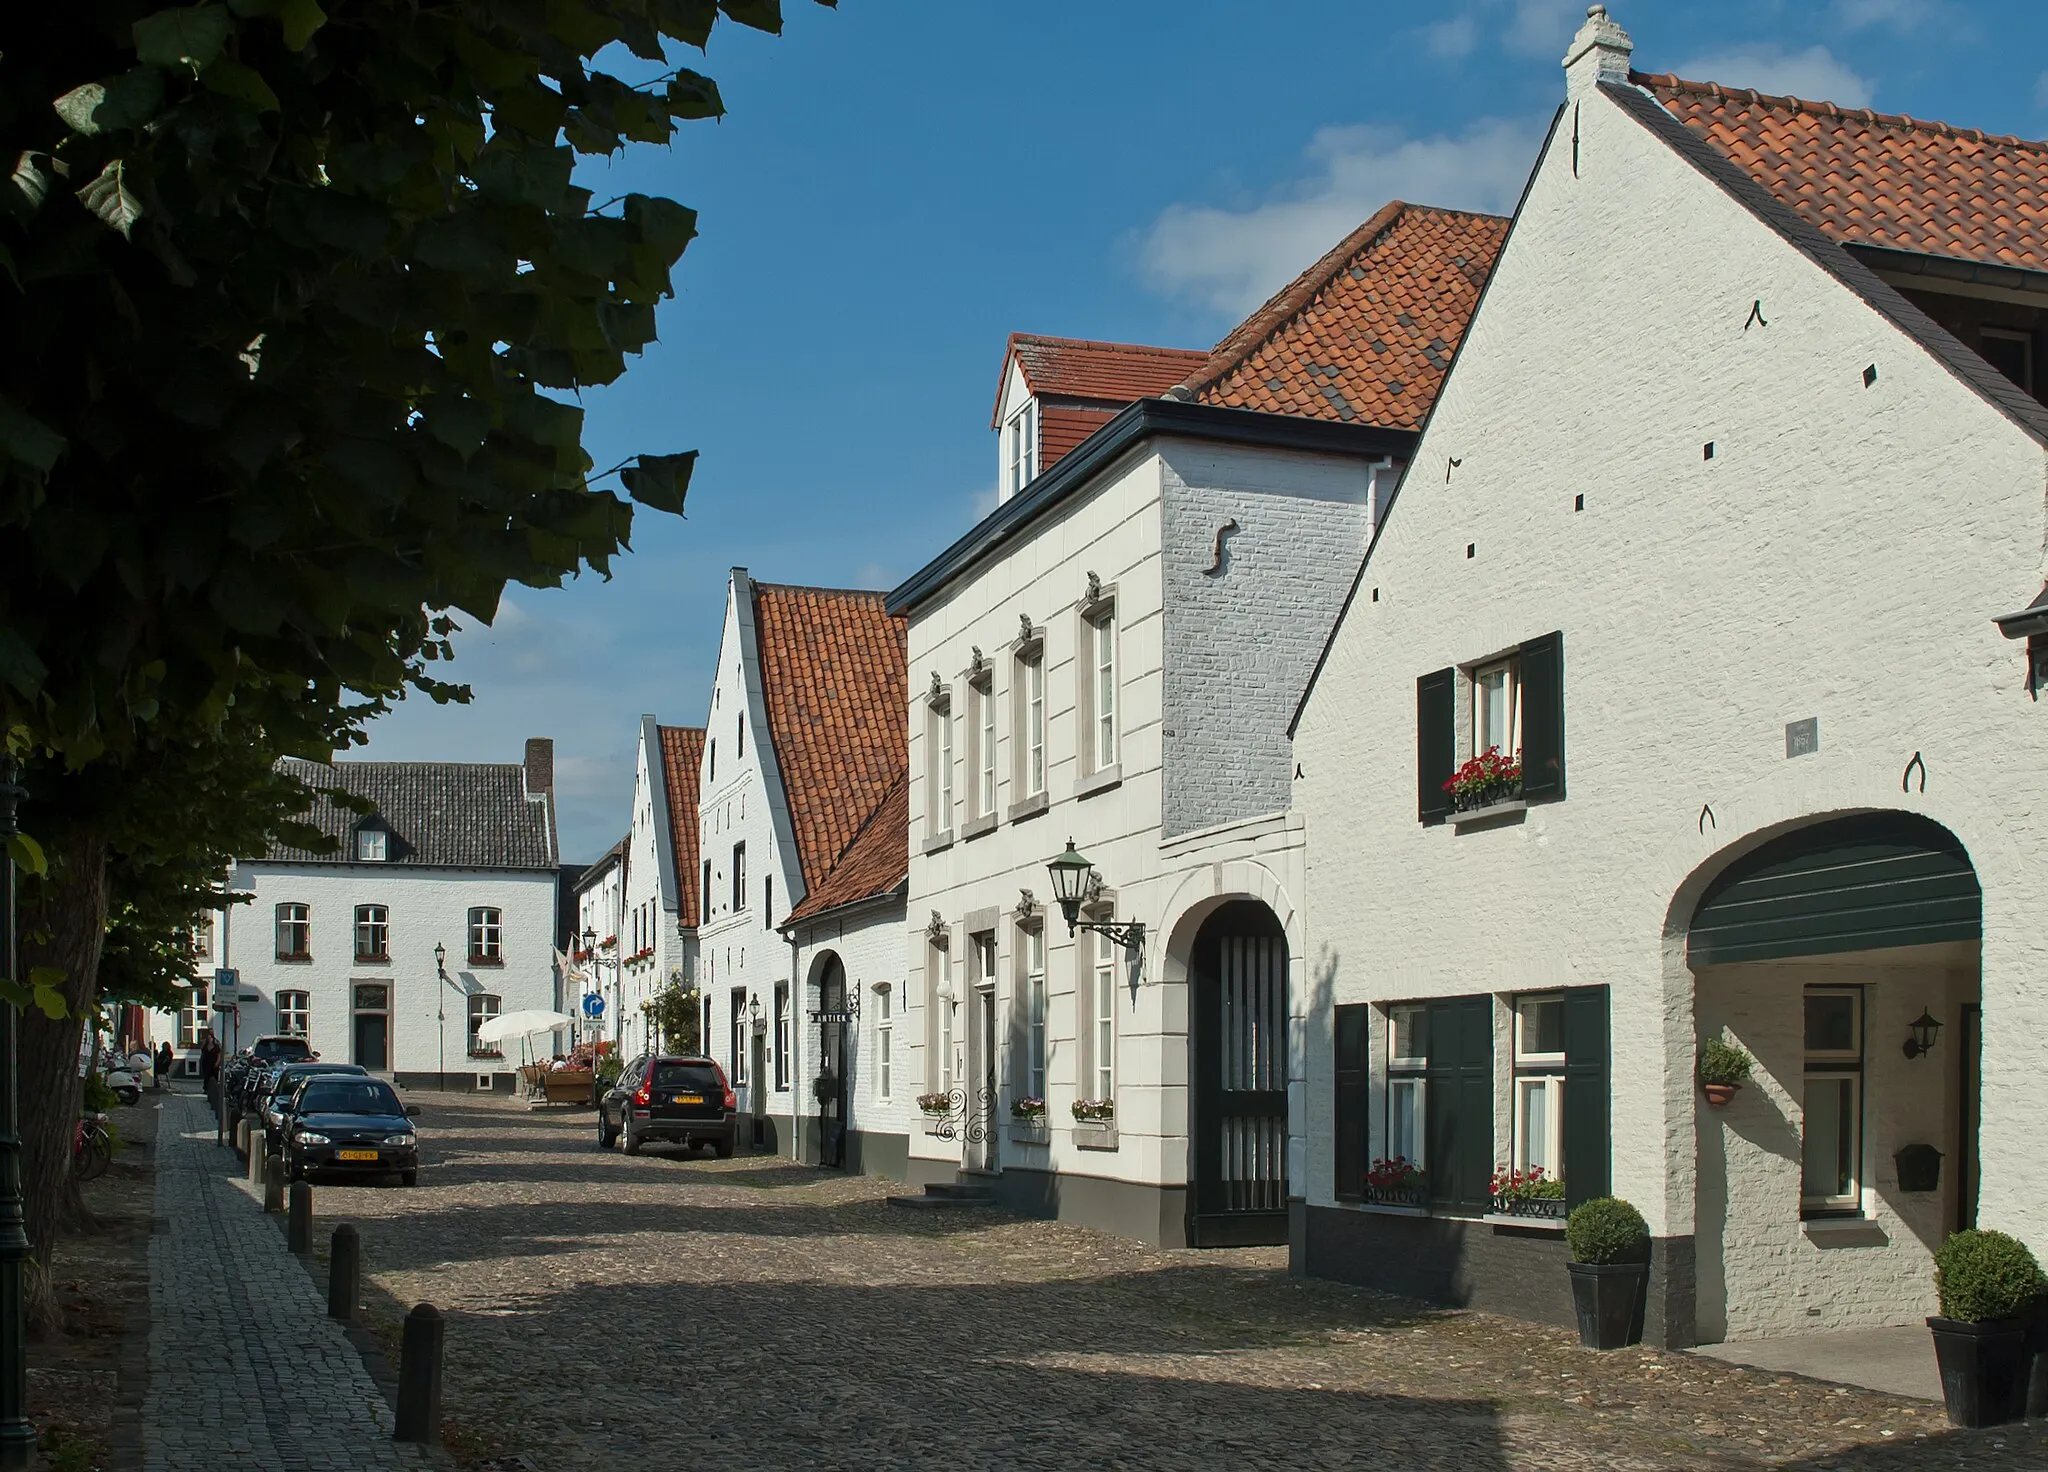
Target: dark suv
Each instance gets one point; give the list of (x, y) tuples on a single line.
[(680, 1101)]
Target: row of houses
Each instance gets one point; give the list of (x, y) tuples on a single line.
[(1367, 761)]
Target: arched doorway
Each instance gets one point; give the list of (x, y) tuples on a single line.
[(1827, 1181), (1237, 1039), (830, 1090)]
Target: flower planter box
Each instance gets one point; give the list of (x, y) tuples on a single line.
[(1030, 1131), (1095, 1134), (1608, 1300), (1505, 807), (1415, 1196), (1984, 1369), (1542, 1208)]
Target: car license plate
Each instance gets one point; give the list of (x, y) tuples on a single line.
[(355, 1155), (689, 1098)]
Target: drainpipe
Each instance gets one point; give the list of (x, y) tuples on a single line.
[(1376, 498), (796, 1048)]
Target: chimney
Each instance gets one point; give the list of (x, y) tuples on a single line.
[(540, 765), (1598, 53)]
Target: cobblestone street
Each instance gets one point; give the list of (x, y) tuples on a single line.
[(618, 1313)]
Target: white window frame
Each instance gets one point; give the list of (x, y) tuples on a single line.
[(295, 1013), (944, 999), (1029, 694), (939, 759), (483, 1006), (885, 1038), (1406, 1081), (736, 999), (193, 1018), (1034, 1004), (1539, 1076), (1023, 436), (1102, 1063), (1508, 672), (1833, 1068), (782, 1037), (295, 918), (373, 933), (1098, 660), (373, 846), (486, 934), (984, 699), (202, 939), (739, 876)]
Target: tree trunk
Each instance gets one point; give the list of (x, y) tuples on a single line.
[(63, 921)]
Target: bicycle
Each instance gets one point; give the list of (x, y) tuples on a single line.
[(92, 1148)]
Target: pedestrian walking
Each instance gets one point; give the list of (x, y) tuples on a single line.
[(209, 1067), (161, 1065)]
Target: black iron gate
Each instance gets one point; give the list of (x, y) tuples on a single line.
[(1238, 973), (834, 1018)]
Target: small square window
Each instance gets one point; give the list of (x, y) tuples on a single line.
[(373, 845), (1831, 1024), (1539, 1029), (2011, 353), (1497, 708), (1408, 1035)]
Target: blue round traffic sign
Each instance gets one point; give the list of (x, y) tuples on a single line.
[(593, 1005)]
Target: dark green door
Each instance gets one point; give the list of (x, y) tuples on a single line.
[(1238, 1018)]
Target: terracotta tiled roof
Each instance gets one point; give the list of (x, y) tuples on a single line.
[(1060, 429), (682, 748), (1878, 179), (1076, 368), (875, 864), (832, 673), (1366, 333)]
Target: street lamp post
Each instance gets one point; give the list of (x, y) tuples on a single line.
[(441, 1007), (17, 1435)]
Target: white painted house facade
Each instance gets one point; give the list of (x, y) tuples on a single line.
[(1111, 658), (455, 858), (1710, 524)]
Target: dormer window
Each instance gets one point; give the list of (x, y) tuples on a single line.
[(373, 846), (1021, 446)]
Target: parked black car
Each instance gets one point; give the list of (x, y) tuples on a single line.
[(353, 1126), (679, 1101), (244, 1075), (275, 1104)]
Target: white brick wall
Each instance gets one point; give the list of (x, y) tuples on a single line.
[(1839, 557), (869, 944)]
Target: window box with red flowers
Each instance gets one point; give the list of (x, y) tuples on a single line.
[(640, 955), (1488, 785), (1528, 1193), (1397, 1182)]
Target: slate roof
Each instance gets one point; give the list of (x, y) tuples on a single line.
[(1878, 179), (470, 815), (682, 748), (1367, 332), (875, 865), (834, 683), (1078, 368)]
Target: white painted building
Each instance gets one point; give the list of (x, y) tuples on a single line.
[(455, 858), (1112, 657), (599, 893), (802, 746), (1710, 523)]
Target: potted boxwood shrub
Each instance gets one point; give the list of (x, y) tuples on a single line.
[(1724, 1068), (1988, 1284), (1610, 1268)]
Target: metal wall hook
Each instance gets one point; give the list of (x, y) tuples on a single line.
[(1906, 776), (1707, 816)]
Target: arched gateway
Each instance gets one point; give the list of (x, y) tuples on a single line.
[(1237, 1024)]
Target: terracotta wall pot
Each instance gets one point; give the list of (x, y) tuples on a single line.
[(1719, 1094), (1983, 1369)]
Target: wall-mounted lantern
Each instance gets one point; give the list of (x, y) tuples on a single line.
[(1920, 1034), (1074, 880)]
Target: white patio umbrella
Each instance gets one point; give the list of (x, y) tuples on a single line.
[(521, 1025)]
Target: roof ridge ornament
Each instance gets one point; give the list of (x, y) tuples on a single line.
[(1598, 53)]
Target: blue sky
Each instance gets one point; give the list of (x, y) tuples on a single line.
[(899, 184)]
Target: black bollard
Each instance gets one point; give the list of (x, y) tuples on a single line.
[(344, 1272), (273, 1183), (298, 1225), (418, 1414)]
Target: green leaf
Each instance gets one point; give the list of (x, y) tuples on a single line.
[(118, 102), (19, 664), (301, 18), (693, 96), (662, 223), (689, 21), (191, 35), (660, 481), (243, 83), (762, 15), (25, 438), (28, 855), (107, 196), (460, 424)]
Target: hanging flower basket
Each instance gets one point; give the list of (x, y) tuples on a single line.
[(1723, 1069), (825, 1088), (1488, 779)]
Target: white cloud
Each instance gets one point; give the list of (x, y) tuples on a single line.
[(1451, 39), (1233, 259), (1813, 74), (1542, 27), (1891, 15)]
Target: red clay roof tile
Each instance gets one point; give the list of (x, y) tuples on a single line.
[(833, 677), (875, 863), (1366, 333), (682, 748), (1878, 179), (1076, 368)]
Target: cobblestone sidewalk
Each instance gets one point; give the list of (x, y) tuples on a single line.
[(245, 1368)]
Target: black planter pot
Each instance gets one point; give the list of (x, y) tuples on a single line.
[(2037, 1361), (1983, 1369), (1609, 1299)]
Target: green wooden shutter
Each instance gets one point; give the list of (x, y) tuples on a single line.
[(1353, 1091), (1459, 1102), (1588, 1145), (1436, 742), (1543, 718)]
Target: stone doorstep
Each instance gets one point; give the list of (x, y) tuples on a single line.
[(944, 1195)]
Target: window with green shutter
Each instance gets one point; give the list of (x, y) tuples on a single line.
[(1353, 1090), (1542, 711), (1588, 1142), (1460, 1102), (1436, 742)]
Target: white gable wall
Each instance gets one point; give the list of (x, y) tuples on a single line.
[(1839, 557)]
